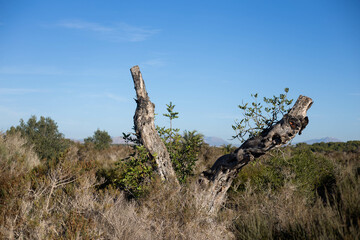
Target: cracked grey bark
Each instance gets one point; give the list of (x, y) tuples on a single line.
[(145, 128), (214, 183)]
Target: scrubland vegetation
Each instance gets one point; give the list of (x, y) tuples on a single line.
[(83, 192), (54, 188)]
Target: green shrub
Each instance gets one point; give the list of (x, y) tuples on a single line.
[(44, 135), (260, 176), (287, 212), (350, 146), (227, 148), (100, 139), (311, 173), (131, 175), (260, 115), (183, 150)]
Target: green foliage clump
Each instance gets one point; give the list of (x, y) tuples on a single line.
[(44, 135), (318, 196), (313, 174), (132, 174), (310, 173), (260, 177), (101, 140), (183, 149), (260, 116), (350, 146), (227, 148)]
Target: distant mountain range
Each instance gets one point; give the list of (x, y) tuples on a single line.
[(118, 140), (213, 141), (216, 141), (325, 140), (115, 140)]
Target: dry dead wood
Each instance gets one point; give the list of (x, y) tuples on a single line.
[(214, 183), (146, 131)]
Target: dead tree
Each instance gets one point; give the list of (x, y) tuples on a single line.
[(214, 183), (145, 128)]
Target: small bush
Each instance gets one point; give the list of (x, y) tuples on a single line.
[(260, 176), (287, 214), (131, 175), (17, 159), (183, 149), (100, 139), (44, 135), (310, 196), (311, 173)]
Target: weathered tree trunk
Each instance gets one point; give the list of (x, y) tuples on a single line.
[(145, 129), (214, 183)]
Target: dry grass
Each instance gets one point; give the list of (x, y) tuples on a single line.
[(17, 153), (62, 201), (287, 214), (207, 156), (174, 214)]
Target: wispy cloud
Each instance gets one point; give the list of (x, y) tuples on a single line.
[(54, 70), (85, 26), (105, 95), (114, 32), (354, 94), (154, 62), (20, 91), (223, 116), (30, 70), (115, 97), (7, 112)]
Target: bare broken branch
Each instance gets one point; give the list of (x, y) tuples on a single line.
[(145, 128)]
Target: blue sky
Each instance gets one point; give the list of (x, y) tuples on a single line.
[(70, 60)]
